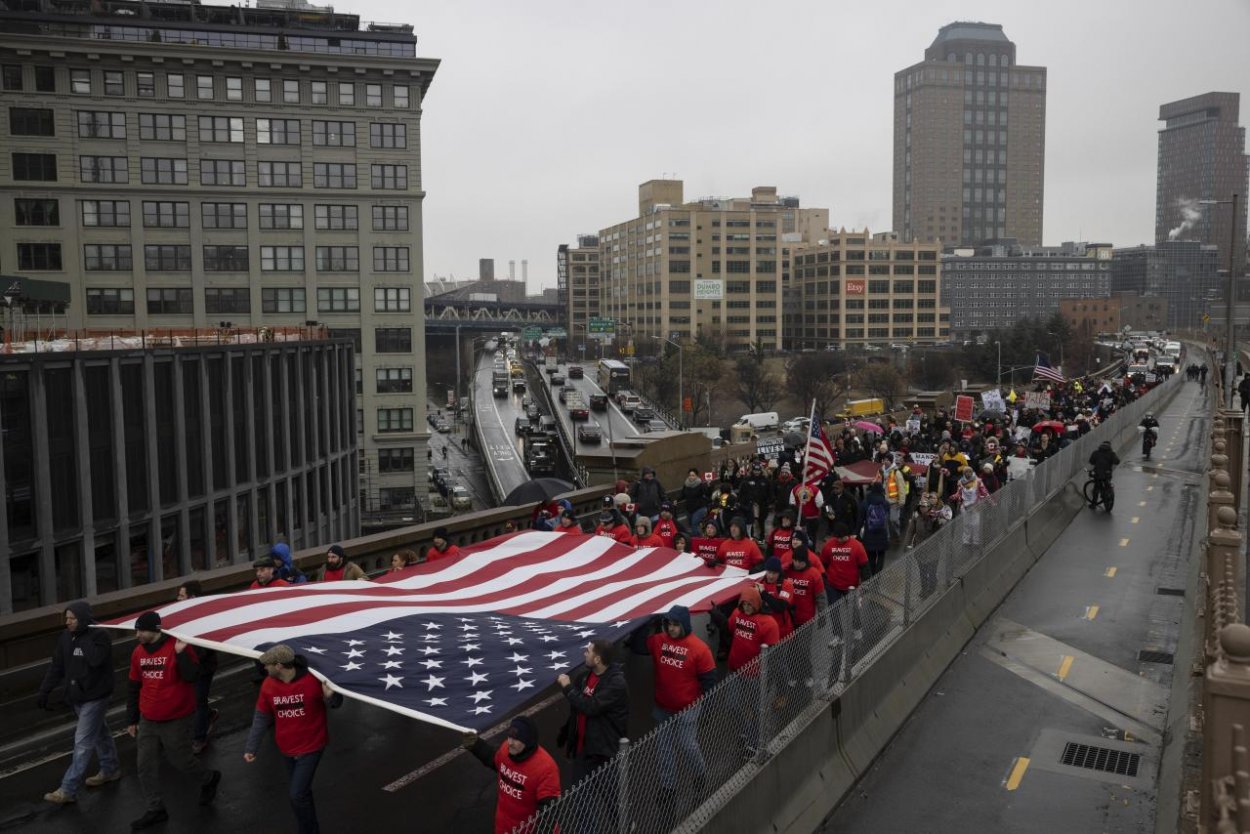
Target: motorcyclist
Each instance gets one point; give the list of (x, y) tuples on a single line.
[(1150, 433), (1102, 461)]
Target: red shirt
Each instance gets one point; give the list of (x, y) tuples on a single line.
[(299, 713), (333, 574), (842, 560), (667, 530), (572, 528), (678, 664), (749, 633), (784, 591), (592, 680), (781, 544), (646, 541), (807, 584), (434, 554), (521, 785), (808, 508), (163, 694), (740, 553), (620, 532), (273, 583), (705, 549)]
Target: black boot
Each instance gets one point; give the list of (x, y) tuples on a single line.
[(154, 816)]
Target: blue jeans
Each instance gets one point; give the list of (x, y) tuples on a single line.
[(301, 770), (684, 733), (91, 734)]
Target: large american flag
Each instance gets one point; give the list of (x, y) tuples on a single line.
[(460, 642), (1042, 368), (820, 458)]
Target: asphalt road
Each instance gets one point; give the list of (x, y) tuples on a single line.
[(496, 424), (1057, 663)]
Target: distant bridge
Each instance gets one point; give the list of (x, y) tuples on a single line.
[(445, 315)]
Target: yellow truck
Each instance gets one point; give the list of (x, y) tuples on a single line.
[(862, 408)]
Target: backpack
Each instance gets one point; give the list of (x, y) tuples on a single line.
[(877, 518)]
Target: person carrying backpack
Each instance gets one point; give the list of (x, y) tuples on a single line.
[(875, 532)]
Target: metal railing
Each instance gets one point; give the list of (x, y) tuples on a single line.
[(680, 773)]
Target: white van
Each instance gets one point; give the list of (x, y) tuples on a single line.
[(1172, 349), (762, 420)]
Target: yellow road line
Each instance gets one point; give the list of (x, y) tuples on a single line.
[(1017, 773), (1124, 542), (1091, 611), (1065, 666), (1110, 574)]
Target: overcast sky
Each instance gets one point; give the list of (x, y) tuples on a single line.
[(545, 116)]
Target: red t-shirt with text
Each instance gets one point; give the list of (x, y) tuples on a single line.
[(740, 553), (749, 633), (163, 694), (299, 713), (678, 664), (842, 560), (807, 584), (521, 785)]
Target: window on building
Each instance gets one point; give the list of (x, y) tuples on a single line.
[(223, 215), (34, 167), (389, 177), (334, 175), (388, 136), (281, 216), (338, 300), (392, 300), (112, 213), (175, 85), (392, 340), (334, 134), (106, 257), (166, 257), (45, 80), (373, 95), (229, 172), (37, 121), (11, 77), (107, 169), (114, 301), (145, 84), (234, 89), (338, 258), (80, 82), (336, 218), (169, 301), (114, 83), (225, 259), (277, 131), (394, 419), (221, 129), (262, 89), (43, 256), (163, 127), (282, 258), (159, 214), (319, 92), (282, 300), (395, 460), (394, 380), (390, 259), (100, 124), (290, 91), (204, 87), (390, 218), (36, 212), (401, 96), (161, 171), (347, 94), (279, 174), (219, 300)]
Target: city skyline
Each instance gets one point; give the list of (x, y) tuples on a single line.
[(564, 112)]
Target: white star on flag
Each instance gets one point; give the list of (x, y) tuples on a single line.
[(472, 661), (555, 655), (522, 684), (351, 643), (515, 641), (390, 635), (314, 650), (432, 664), (517, 658), (351, 666), (476, 677), (393, 664), (472, 647), (433, 683), (391, 680), (393, 650), (482, 710), (436, 702), (521, 670), (354, 653), (432, 626), (478, 697), (428, 650)]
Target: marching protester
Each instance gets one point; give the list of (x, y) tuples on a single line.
[(266, 574), (777, 596), (875, 534), (529, 779), (293, 701), (782, 539), (567, 523), (339, 567), (403, 559), (807, 578), (749, 628), (598, 709), (643, 537), (647, 494), (83, 660), (684, 672), (739, 551), (613, 525), (205, 716), (667, 527), (844, 558), (441, 547)]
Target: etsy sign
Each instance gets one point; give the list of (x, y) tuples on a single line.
[(854, 286)]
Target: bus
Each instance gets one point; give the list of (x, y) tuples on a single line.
[(613, 376)]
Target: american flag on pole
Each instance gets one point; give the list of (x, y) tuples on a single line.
[(819, 460), (1042, 368), (464, 641)]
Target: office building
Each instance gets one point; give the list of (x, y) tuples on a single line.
[(969, 141), (128, 461), (858, 288), (577, 282), (1184, 273), (995, 285), (1202, 156), (184, 165), (1089, 317), (713, 267)]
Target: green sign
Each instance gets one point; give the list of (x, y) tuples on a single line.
[(558, 333), (531, 334), (602, 326)]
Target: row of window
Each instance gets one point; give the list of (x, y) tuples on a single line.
[(172, 127), (172, 214), (110, 257), (86, 82), (115, 301), (42, 167)]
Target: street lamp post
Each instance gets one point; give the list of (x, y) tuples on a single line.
[(1058, 339), (1230, 343), (681, 377), (998, 379)]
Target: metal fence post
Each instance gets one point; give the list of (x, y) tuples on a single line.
[(764, 707), (622, 787), (848, 632)]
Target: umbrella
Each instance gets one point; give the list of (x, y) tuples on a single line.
[(794, 439), (1052, 425), (991, 414), (864, 425), (539, 489)]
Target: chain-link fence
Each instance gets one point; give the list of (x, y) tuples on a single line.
[(674, 778)]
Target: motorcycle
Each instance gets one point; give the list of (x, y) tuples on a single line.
[(1148, 439)]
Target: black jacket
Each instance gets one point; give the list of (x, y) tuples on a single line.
[(648, 494), (606, 711), (84, 660)]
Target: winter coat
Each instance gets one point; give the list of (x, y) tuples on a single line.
[(83, 660), (875, 540), (694, 495), (606, 711), (648, 494)]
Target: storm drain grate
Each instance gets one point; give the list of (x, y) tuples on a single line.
[(1100, 758), (1170, 592), (1148, 656)]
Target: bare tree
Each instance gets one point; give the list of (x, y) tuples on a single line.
[(880, 380), (753, 384), (815, 376)]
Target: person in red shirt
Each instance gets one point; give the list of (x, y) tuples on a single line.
[(809, 501), (442, 548), (749, 627), (161, 710), (667, 527), (808, 578), (293, 702), (684, 672), (265, 576), (529, 779), (612, 525), (739, 551), (783, 537), (339, 568), (843, 557), (643, 537), (567, 523), (708, 545), (777, 595)]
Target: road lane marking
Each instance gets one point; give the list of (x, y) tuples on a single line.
[(1110, 574), (1124, 542), (1141, 503), (1134, 519), (1091, 611), (1065, 666), (1149, 489), (1017, 772)]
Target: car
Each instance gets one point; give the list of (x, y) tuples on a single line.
[(576, 372), (563, 396), (551, 369), (579, 411), (436, 474), (547, 425), (557, 380), (522, 426), (798, 424), (443, 425), (590, 433), (654, 425), (526, 401), (532, 411), (629, 402), (599, 402), (642, 414), (460, 499)]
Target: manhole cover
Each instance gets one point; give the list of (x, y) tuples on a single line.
[(1147, 656), (1102, 759)]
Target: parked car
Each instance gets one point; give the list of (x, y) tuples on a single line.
[(443, 424), (460, 499), (522, 426), (590, 433), (643, 413), (654, 425), (599, 402), (436, 474), (576, 372)]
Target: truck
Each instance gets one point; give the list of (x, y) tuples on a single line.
[(1173, 350), (550, 365), (499, 384), (576, 405), (863, 408), (760, 420)]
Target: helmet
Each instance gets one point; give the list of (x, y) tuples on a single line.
[(1106, 444), (1150, 415)]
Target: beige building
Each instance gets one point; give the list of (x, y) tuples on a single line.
[(859, 288), (182, 165), (712, 268), (577, 282), (969, 141)]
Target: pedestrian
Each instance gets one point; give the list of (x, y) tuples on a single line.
[(83, 659), (339, 568), (643, 537), (844, 558), (612, 525), (968, 495), (707, 546), (667, 527), (205, 716), (875, 533), (749, 627), (807, 577), (598, 719), (840, 505), (684, 672), (441, 547), (681, 542), (808, 502), (284, 565), (567, 523), (402, 560), (930, 515), (529, 779), (293, 701), (694, 496), (777, 596), (266, 577), (895, 485), (647, 494), (739, 551), (161, 710), (782, 538)]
